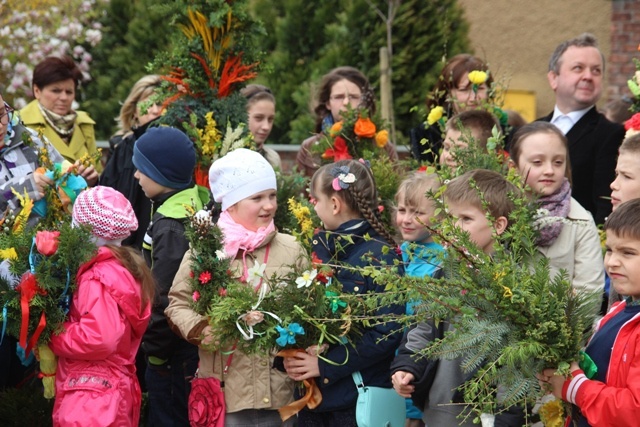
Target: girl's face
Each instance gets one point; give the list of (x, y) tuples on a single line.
[(325, 208), (411, 220), (57, 97), (152, 112), (543, 161), (343, 93), (627, 183), (463, 96), (261, 115), (256, 211)]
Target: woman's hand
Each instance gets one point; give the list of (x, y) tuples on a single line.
[(89, 173), (302, 367), (401, 383), (42, 182)]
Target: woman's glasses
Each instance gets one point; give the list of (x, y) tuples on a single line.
[(6, 115)]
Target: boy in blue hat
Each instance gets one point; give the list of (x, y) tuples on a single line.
[(165, 159)]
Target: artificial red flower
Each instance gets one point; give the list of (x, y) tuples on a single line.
[(222, 292), (315, 260), (339, 150), (364, 128), (204, 277), (206, 403), (633, 122), (47, 242), (196, 296), (192, 274)]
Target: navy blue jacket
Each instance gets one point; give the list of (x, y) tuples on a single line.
[(369, 356)]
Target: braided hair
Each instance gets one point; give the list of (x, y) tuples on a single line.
[(360, 196)]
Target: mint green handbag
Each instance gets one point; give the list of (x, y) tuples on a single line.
[(378, 406)]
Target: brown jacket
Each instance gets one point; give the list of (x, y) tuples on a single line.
[(251, 382)]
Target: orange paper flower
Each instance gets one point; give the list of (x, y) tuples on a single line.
[(364, 128), (335, 129)]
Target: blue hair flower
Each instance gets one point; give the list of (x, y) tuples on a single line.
[(288, 334)]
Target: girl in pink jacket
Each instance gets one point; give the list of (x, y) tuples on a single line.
[(96, 383)]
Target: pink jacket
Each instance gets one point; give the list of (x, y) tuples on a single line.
[(615, 403), (96, 382)]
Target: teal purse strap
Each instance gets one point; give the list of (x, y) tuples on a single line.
[(357, 379)]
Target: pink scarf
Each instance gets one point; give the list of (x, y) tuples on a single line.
[(237, 237)]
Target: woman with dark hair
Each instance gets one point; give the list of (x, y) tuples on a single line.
[(55, 81), (454, 92), (339, 88)]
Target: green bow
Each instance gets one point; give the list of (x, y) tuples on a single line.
[(587, 364), (334, 302)]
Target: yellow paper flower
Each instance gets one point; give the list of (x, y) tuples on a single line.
[(478, 77), (435, 114), (8, 253), (552, 413), (382, 138)]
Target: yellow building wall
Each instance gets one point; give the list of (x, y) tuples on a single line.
[(517, 37)]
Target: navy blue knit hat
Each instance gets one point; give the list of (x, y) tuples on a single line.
[(167, 156)]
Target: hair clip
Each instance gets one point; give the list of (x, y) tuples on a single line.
[(343, 178), (367, 163)]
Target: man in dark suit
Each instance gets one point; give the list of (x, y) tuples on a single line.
[(575, 74)]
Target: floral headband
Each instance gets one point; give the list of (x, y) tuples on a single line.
[(342, 178)]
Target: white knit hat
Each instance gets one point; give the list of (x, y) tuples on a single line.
[(107, 211), (238, 175)]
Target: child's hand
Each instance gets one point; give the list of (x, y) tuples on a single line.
[(302, 367), (207, 336), (550, 381), (401, 383)]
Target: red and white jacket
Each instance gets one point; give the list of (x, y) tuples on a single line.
[(615, 403)]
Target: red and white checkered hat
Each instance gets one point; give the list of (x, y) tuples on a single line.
[(107, 211)]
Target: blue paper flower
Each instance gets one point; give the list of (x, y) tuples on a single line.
[(288, 334)]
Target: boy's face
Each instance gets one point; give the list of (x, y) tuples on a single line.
[(255, 211), (622, 262), (150, 188), (411, 220), (626, 186), (473, 220), (454, 139)]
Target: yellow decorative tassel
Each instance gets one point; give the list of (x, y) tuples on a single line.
[(48, 365)]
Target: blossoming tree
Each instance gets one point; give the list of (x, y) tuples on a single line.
[(31, 30)]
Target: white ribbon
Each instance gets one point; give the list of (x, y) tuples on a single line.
[(250, 333)]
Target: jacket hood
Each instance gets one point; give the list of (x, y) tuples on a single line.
[(121, 285)]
